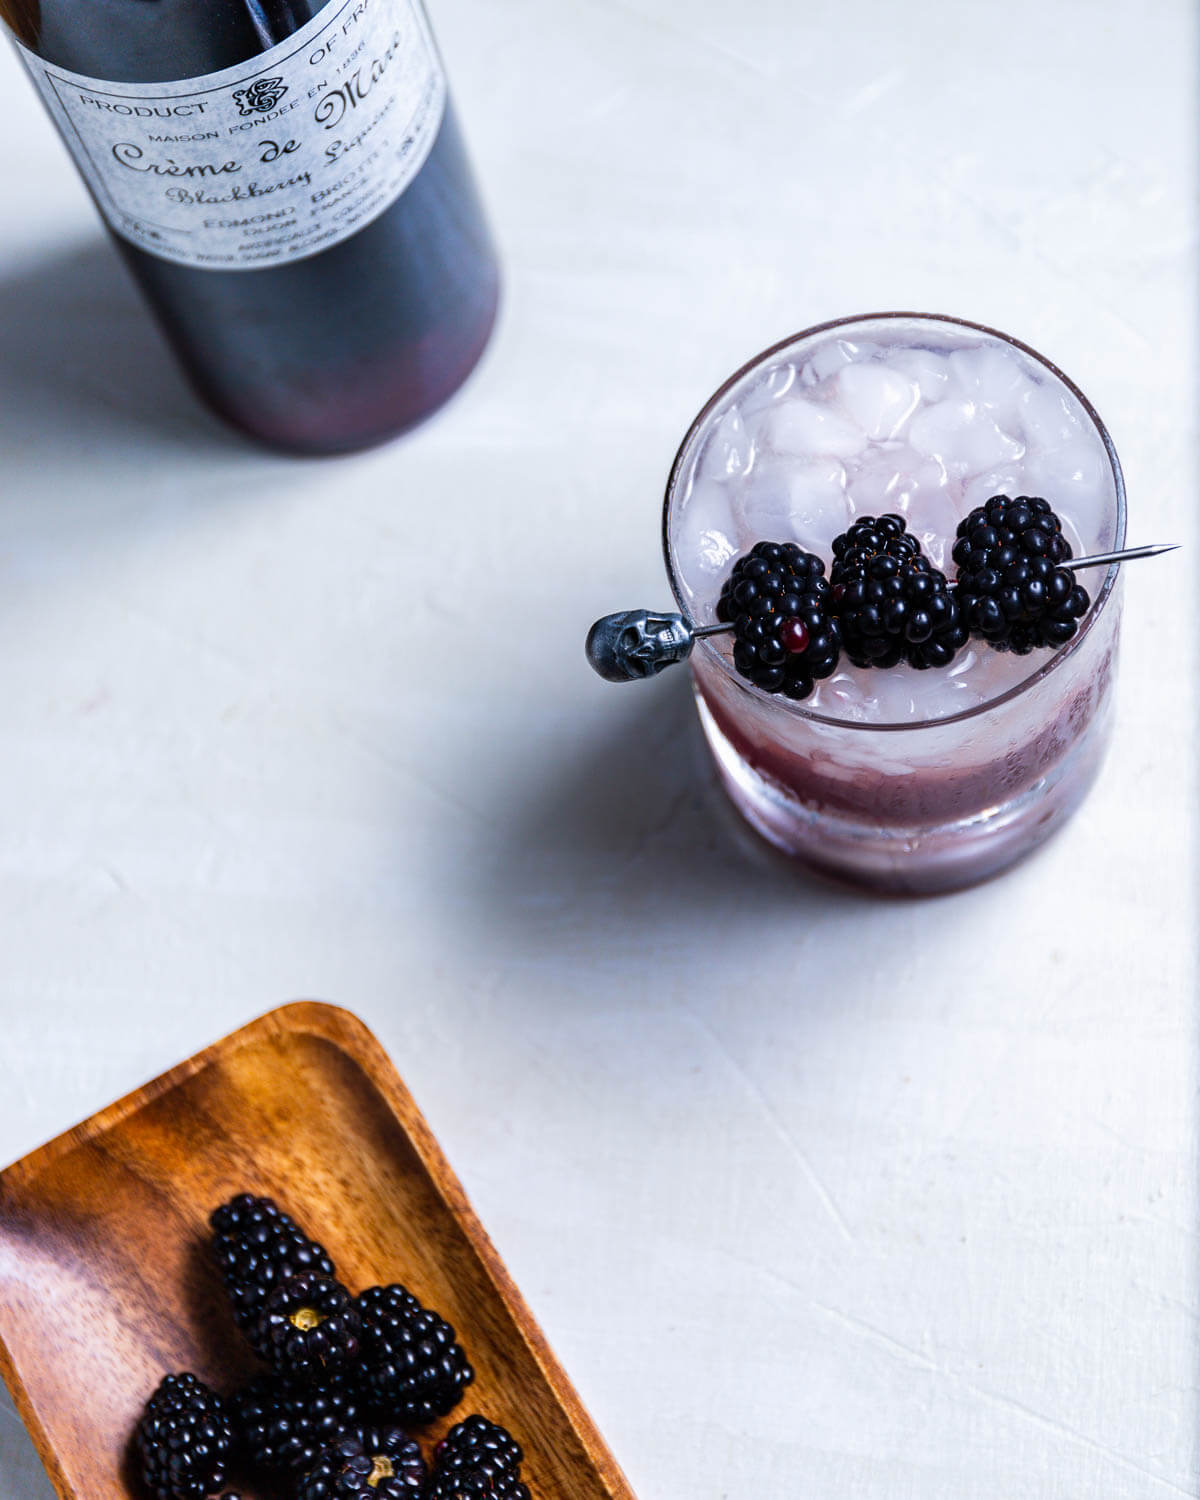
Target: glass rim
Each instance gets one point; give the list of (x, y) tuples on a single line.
[(798, 710)]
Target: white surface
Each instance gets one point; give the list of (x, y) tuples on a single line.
[(814, 1195)]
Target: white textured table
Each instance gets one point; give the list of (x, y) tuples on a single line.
[(816, 1196)]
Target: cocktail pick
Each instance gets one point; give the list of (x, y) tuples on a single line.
[(637, 643), (1127, 554)]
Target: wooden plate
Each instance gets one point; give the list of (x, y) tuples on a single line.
[(105, 1284)]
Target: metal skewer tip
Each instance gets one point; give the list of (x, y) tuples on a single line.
[(1127, 554)]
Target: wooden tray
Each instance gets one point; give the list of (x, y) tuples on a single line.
[(105, 1283)]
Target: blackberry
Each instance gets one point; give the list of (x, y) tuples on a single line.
[(474, 1486), (1012, 589), (367, 1464), (477, 1459), (891, 603), (785, 637), (256, 1245), (184, 1440), (308, 1330), (413, 1370), (285, 1427)]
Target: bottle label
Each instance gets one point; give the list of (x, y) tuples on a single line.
[(272, 160)]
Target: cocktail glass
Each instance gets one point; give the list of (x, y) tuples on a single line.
[(902, 781)]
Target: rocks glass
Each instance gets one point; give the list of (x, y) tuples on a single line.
[(904, 781)]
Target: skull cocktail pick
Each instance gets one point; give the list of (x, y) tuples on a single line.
[(637, 643)]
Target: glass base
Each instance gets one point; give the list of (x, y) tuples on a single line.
[(911, 861)]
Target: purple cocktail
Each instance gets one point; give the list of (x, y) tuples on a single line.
[(904, 780)]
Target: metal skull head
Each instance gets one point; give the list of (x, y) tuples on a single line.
[(637, 643)]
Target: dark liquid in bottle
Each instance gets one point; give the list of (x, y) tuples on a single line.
[(321, 355)]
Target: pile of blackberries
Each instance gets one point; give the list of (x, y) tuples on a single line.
[(885, 603), (348, 1377)]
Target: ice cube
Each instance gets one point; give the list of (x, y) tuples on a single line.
[(883, 479), (820, 509), (986, 674), (837, 353), (764, 510), (963, 436), (802, 500), (932, 516), (840, 696), (957, 688), (892, 695), (802, 427), (878, 399), (1046, 419), (866, 695), (705, 532), (729, 452), (715, 550), (934, 697), (992, 378), (929, 370), (1007, 481), (1074, 469), (769, 388)]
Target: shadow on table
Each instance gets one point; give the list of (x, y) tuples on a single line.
[(103, 440), (632, 839), (81, 360)]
